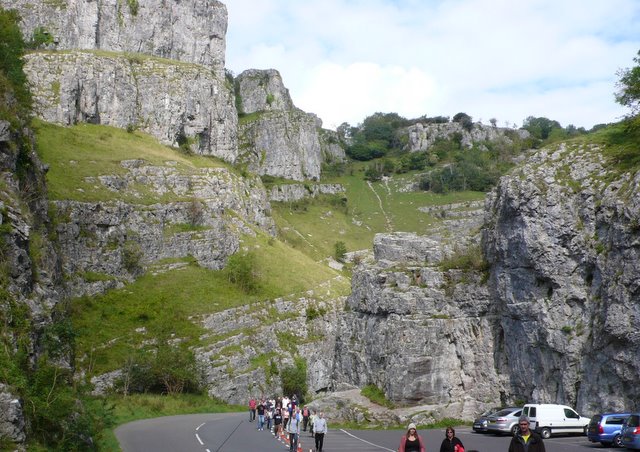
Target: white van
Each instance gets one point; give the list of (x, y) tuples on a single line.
[(549, 419)]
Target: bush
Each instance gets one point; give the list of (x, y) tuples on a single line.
[(132, 257), (241, 270), (376, 395)]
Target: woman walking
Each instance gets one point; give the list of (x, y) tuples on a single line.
[(411, 441), (451, 443)]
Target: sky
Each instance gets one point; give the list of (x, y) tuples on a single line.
[(345, 60)]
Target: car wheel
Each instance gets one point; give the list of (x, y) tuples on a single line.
[(545, 433), (617, 441), (514, 430)]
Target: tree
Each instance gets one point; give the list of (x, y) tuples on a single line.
[(628, 86), (465, 120), (541, 127)]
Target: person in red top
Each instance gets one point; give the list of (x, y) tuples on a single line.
[(411, 441), (252, 409)]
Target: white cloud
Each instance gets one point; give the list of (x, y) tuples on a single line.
[(347, 59)]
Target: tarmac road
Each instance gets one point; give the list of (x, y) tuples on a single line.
[(232, 432)]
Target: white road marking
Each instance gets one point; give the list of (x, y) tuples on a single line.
[(365, 441), (199, 440), (198, 427)]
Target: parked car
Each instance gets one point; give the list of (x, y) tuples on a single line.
[(480, 424), (504, 421), (551, 419), (631, 432), (605, 428)]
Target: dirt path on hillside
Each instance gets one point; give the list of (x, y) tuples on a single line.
[(387, 220)]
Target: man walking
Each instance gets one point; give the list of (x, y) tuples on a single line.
[(293, 428), (526, 440), (320, 429)]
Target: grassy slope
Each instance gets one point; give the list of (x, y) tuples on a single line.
[(319, 224)]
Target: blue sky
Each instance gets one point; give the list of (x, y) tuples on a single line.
[(506, 59)]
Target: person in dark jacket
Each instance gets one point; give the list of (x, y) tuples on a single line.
[(451, 443), (526, 440)]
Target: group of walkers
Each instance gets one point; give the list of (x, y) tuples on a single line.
[(525, 440), (287, 416)]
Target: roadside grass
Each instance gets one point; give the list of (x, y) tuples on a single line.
[(121, 410), (166, 302), (79, 154)]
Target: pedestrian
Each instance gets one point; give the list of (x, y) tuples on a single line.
[(526, 440), (293, 428), (285, 417), (451, 443), (277, 421), (320, 429), (312, 418), (268, 415), (260, 410), (411, 441), (252, 409), (305, 418)]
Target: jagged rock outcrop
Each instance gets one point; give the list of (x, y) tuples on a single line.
[(192, 31), (180, 104), (12, 426), (248, 372), (100, 237), (563, 241), (422, 136), (274, 137), (296, 192), (422, 335)]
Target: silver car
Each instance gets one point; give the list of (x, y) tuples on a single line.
[(504, 421), (480, 424)]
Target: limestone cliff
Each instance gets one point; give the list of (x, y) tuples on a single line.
[(420, 137), (554, 322), (192, 31), (563, 241), (274, 137), (180, 104)]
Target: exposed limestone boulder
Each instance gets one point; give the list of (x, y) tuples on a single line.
[(12, 425), (564, 244), (192, 31), (422, 136), (274, 137), (296, 192), (178, 103)]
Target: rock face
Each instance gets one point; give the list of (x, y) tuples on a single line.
[(296, 192), (553, 323), (422, 335), (275, 138), (104, 237), (180, 104), (192, 31), (11, 417), (564, 245), (422, 136), (245, 373)]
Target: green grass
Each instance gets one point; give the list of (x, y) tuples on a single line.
[(77, 155), (376, 395), (144, 406), (166, 302), (314, 226)]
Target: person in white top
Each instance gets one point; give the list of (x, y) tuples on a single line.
[(319, 429)]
